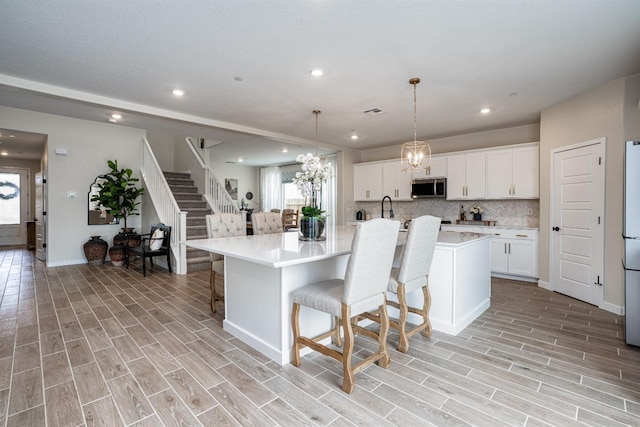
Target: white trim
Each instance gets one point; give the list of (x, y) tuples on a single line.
[(612, 308), (544, 285), (67, 262)]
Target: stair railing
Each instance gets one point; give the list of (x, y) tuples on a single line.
[(215, 194), (166, 206)]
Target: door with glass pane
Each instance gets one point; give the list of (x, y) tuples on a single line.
[(14, 205)]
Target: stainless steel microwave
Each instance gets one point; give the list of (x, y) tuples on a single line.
[(428, 188)]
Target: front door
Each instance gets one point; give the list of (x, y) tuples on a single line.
[(577, 221), (14, 205)]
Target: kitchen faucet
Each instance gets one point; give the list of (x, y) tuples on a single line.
[(390, 207)]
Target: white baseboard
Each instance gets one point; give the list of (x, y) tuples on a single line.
[(544, 285), (612, 308)]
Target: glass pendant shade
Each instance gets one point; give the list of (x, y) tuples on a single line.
[(415, 155)]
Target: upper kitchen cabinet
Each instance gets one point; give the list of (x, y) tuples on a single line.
[(466, 176), (396, 183), (367, 182), (513, 173), (438, 169)]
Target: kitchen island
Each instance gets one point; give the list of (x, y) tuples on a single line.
[(262, 271)]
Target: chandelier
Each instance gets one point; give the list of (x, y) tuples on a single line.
[(415, 155)]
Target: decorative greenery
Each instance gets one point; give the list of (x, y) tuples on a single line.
[(309, 183), (118, 192), (476, 209), (12, 195)]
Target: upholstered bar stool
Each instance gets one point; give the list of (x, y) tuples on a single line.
[(222, 225), (363, 289), (411, 274), (267, 223)]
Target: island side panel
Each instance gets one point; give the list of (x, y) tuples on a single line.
[(472, 293)]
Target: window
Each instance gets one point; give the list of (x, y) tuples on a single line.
[(9, 198)]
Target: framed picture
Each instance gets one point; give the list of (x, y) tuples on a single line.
[(231, 185)]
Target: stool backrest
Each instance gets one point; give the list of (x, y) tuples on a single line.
[(417, 253), (267, 223)]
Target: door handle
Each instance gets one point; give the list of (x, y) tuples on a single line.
[(555, 228)]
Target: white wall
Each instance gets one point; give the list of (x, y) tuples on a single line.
[(89, 146), (595, 114), (162, 147), (248, 180)]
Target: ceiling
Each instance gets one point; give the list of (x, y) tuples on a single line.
[(245, 65)]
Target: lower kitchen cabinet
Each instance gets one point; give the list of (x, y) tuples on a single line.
[(514, 252)]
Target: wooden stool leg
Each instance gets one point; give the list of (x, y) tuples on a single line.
[(348, 380), (403, 343), (295, 326), (383, 362), (335, 338), (425, 313), (212, 280)]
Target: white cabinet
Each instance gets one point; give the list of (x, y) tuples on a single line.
[(395, 183), (513, 173), (514, 252), (437, 169), (367, 181), (466, 176)]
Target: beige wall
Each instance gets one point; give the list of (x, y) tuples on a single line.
[(598, 113), (89, 145)]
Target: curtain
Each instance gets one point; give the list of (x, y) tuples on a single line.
[(270, 188), (330, 192)]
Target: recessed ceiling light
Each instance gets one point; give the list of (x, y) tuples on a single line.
[(116, 116), (240, 159), (112, 120), (513, 94), (316, 72), (284, 150), (4, 153), (178, 92), (354, 137), (485, 110)]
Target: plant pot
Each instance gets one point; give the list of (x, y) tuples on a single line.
[(127, 237), (477, 217), (95, 250), (117, 255), (311, 229)]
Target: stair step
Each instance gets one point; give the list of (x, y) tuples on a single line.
[(186, 204), (198, 266), (198, 212), (176, 175), (196, 220), (196, 231), (187, 196), (181, 182), (196, 253), (197, 236), (183, 189)]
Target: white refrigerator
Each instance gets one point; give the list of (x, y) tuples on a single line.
[(631, 242)]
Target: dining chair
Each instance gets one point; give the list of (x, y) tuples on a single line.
[(155, 243), (290, 219), (363, 289), (412, 273), (222, 225), (267, 223)]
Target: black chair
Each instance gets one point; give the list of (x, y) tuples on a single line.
[(149, 246)]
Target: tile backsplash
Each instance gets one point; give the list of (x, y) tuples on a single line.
[(520, 213)]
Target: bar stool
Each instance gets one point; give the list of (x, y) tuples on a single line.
[(222, 225), (362, 289), (267, 223)]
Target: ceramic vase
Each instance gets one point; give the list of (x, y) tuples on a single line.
[(95, 250), (311, 229)]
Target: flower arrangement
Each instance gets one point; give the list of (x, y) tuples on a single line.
[(309, 183), (476, 209)]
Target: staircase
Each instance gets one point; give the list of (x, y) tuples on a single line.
[(188, 198)]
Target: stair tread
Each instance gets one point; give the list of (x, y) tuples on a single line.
[(195, 260)]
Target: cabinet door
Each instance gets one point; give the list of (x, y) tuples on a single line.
[(499, 174), (475, 175), (456, 181), (499, 256), (396, 183), (375, 182), (526, 172), (361, 188), (522, 258), (438, 169)]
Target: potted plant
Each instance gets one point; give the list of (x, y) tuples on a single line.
[(118, 194), (309, 182), (477, 212)]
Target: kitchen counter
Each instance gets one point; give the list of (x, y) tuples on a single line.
[(262, 271)]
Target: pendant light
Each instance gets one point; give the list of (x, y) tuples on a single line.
[(317, 113), (415, 155)]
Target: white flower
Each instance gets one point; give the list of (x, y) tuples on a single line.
[(476, 209), (313, 174)]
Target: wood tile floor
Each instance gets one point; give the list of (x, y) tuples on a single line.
[(103, 346)]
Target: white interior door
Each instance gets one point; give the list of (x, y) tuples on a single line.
[(577, 221), (14, 205), (40, 202)]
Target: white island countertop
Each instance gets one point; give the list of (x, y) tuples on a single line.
[(284, 249)]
